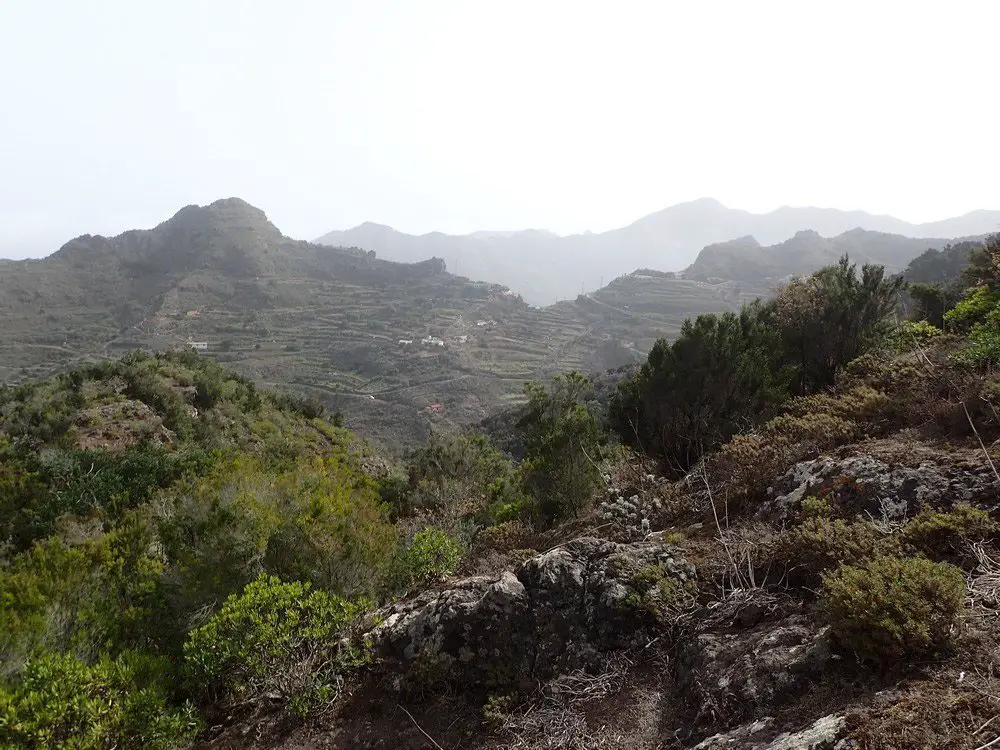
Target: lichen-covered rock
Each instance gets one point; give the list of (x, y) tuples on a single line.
[(732, 675), (894, 491), (558, 610), (823, 734)]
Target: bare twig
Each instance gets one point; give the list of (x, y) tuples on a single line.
[(990, 721), (718, 526), (991, 743), (433, 741), (981, 443)]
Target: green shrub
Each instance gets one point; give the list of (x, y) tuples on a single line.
[(911, 335), (720, 374), (59, 701), (891, 607), (801, 554), (432, 554), (945, 535), (275, 641), (459, 476), (504, 537), (102, 595), (816, 507)]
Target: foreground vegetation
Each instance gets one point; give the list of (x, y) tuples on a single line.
[(183, 550)]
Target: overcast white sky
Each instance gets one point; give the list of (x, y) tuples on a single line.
[(469, 114)]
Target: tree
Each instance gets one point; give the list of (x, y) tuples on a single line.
[(722, 374), (561, 438), (931, 302), (830, 318)]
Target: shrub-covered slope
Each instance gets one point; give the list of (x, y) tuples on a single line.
[(818, 571)]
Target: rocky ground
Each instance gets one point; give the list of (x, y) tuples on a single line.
[(641, 642)]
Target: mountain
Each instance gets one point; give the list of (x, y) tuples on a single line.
[(745, 261), (400, 349), (544, 267), (336, 324)]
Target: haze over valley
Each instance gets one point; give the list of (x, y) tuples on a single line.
[(545, 267)]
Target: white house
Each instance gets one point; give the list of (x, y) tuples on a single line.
[(199, 345), (432, 341), (405, 342)]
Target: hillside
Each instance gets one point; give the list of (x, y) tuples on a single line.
[(334, 324), (545, 267), (340, 325), (768, 539), (746, 261)]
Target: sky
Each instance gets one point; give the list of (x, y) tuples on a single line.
[(467, 115)]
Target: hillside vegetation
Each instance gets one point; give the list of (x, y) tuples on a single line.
[(779, 532)]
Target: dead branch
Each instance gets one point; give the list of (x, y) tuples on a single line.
[(433, 741)]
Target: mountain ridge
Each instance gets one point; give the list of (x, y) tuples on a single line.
[(402, 348), (546, 268)]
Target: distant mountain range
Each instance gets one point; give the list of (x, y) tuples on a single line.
[(545, 267), (399, 348)]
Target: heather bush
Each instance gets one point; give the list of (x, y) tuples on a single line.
[(947, 535), (891, 608), (432, 554), (801, 554)]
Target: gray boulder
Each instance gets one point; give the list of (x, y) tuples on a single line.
[(559, 610), (823, 734), (893, 491), (732, 675)]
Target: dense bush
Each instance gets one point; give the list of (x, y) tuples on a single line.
[(432, 554), (801, 554), (947, 535), (101, 595), (830, 318), (459, 476), (720, 375), (729, 373), (60, 702), (891, 608), (275, 641), (36, 490), (321, 522)]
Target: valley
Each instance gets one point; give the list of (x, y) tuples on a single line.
[(399, 349)]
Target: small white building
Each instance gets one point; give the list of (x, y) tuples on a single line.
[(432, 341), (405, 342), (461, 339), (201, 346)]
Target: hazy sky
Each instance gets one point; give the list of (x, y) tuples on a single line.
[(473, 114)]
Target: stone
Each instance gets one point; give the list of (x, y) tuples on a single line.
[(558, 610), (734, 675), (823, 734), (893, 492)]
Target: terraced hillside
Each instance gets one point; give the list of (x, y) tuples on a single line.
[(399, 349)]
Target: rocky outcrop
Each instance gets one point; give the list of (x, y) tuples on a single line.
[(727, 676), (866, 484), (823, 734), (559, 610)]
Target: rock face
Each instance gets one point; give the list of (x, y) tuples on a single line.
[(558, 610), (732, 675), (823, 734), (863, 483)]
